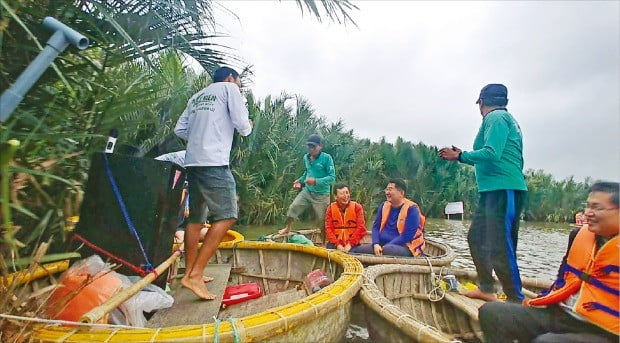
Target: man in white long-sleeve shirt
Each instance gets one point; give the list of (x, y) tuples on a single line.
[(208, 124)]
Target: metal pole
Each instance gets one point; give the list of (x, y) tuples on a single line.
[(60, 40)]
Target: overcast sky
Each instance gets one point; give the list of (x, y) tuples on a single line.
[(414, 69)]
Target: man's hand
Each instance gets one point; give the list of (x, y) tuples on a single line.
[(378, 249), (340, 247), (450, 154), (310, 181), (296, 184), (347, 247)]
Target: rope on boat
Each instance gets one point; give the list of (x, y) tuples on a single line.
[(110, 255), (204, 333), (404, 315), (111, 335), (283, 317), (436, 293), (235, 333), (155, 335), (420, 332), (216, 331), (121, 204), (67, 335), (397, 309), (63, 322), (316, 310)]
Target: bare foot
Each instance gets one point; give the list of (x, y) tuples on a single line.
[(478, 294), (284, 231), (198, 289), (206, 279)]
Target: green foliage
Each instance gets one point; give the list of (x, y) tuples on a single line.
[(554, 201), (267, 162), (135, 78)]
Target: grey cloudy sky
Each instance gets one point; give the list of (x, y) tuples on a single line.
[(414, 69)]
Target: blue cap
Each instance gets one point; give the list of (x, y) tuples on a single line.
[(493, 91)]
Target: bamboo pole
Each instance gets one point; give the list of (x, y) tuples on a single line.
[(26, 276), (100, 311)]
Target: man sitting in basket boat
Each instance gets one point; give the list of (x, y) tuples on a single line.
[(582, 304), (398, 229), (345, 225)]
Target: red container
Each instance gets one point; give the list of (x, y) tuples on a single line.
[(316, 280), (240, 293)]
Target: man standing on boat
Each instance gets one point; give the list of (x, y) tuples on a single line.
[(345, 225), (582, 305), (318, 176), (208, 124), (398, 229), (498, 160)]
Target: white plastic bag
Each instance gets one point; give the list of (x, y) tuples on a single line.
[(131, 312)]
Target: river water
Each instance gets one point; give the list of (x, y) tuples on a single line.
[(539, 253)]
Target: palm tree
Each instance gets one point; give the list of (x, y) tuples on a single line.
[(133, 77)]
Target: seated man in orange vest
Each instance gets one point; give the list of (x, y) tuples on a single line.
[(345, 225), (398, 229), (582, 304)]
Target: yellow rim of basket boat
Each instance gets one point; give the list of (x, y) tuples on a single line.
[(237, 237), (259, 326)]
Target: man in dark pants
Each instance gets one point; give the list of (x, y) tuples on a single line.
[(498, 160), (582, 305)]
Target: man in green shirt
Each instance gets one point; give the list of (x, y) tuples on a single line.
[(498, 160), (317, 178)]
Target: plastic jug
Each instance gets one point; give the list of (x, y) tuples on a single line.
[(316, 280)]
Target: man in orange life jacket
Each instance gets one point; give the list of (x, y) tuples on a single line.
[(398, 229), (345, 225), (582, 305)]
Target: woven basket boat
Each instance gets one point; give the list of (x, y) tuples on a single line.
[(439, 254), (399, 308), (276, 267)]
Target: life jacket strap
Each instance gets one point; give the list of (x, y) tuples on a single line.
[(611, 269), (585, 277), (593, 305)]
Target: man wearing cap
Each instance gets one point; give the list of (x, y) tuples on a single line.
[(316, 181), (498, 160)]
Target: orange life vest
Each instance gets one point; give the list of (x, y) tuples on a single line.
[(594, 274), (580, 219), (344, 225), (418, 244)]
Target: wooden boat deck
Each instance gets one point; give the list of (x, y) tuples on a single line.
[(466, 304), (187, 308), (261, 304)]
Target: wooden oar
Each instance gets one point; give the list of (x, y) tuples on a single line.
[(100, 311)]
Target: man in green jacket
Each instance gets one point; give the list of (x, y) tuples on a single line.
[(498, 161), (317, 178)]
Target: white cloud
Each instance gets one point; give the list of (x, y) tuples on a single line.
[(414, 69)]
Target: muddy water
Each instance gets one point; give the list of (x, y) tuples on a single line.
[(539, 253)]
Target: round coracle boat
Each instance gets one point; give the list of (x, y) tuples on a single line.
[(408, 303), (286, 312), (436, 253)]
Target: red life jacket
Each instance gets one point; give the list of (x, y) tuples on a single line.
[(594, 275), (418, 244), (344, 225)]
